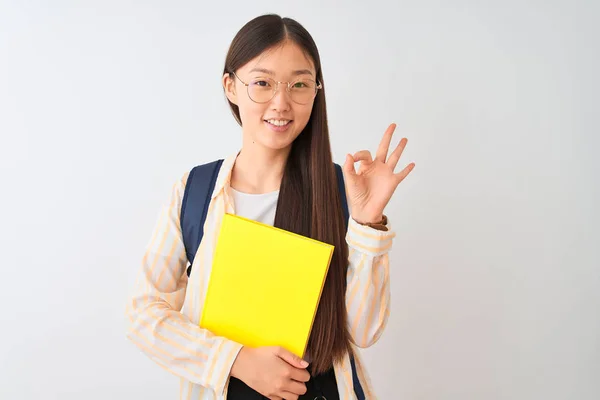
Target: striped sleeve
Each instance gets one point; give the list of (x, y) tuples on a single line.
[(156, 325), (368, 290)]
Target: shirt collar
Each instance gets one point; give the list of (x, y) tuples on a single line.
[(224, 177)]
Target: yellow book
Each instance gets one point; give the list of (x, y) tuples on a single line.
[(265, 285)]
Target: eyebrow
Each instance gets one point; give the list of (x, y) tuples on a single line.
[(295, 73)]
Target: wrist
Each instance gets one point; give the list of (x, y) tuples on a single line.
[(239, 365), (369, 220)]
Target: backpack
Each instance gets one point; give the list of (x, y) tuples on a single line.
[(194, 208)]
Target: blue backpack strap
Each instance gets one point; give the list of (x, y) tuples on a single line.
[(358, 390), (194, 207)]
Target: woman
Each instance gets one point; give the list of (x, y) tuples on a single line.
[(283, 175)]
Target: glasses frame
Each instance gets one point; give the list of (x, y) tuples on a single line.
[(289, 87)]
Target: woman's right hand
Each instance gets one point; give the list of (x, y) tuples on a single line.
[(274, 372)]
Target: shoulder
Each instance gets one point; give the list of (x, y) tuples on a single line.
[(203, 170)]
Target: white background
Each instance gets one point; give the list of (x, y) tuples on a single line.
[(495, 269)]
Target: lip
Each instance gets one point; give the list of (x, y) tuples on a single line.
[(276, 128)]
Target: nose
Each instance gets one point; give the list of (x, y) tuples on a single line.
[(281, 101)]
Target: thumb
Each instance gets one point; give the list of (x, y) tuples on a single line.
[(349, 165), (290, 358)]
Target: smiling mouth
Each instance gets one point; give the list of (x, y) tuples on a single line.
[(279, 122)]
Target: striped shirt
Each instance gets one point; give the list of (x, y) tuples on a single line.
[(164, 311)]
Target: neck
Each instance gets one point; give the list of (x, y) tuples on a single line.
[(259, 170)]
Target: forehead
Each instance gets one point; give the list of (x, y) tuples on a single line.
[(283, 60)]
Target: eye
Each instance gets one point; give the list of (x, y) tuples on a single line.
[(305, 85), (261, 83), (300, 85)]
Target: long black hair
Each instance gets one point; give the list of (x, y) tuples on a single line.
[(309, 203)]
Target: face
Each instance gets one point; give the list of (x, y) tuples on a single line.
[(276, 123)]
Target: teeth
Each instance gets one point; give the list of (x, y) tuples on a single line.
[(278, 122)]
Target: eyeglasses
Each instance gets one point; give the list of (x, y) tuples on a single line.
[(262, 90)]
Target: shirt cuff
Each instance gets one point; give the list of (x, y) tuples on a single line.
[(223, 356), (366, 239)]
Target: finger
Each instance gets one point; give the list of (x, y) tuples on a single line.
[(290, 396), (349, 165), (276, 398), (365, 159), (404, 173), (397, 153), (290, 358), (384, 145), (297, 388), (363, 155), (300, 375)]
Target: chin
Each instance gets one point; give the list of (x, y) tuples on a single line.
[(277, 145), (278, 141)]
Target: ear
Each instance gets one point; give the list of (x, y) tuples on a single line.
[(229, 87)]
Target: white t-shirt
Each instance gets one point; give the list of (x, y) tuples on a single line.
[(257, 207)]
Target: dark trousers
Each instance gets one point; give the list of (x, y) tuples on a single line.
[(321, 385)]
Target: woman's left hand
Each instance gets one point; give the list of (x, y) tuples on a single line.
[(370, 189)]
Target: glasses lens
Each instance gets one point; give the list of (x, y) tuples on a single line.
[(261, 90), (303, 91)]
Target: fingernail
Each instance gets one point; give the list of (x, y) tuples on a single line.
[(304, 364)]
